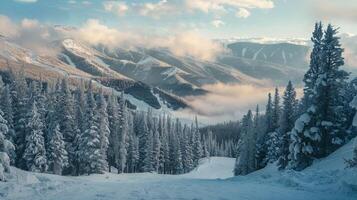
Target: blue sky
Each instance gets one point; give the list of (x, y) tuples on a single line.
[(214, 18)]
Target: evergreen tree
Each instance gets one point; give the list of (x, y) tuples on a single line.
[(245, 156), (123, 132), (5, 147), (89, 150), (57, 154), (19, 96), (104, 131), (7, 108), (311, 75), (288, 118), (331, 81), (196, 142), (276, 110), (35, 153)]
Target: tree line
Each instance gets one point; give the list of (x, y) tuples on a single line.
[(56, 128), (294, 133)]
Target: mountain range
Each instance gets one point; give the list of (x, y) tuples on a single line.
[(156, 76)]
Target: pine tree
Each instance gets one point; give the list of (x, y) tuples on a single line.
[(5, 147), (89, 150), (104, 131), (245, 158), (196, 142), (156, 151), (331, 81), (311, 75), (276, 110), (35, 153), (66, 119), (269, 115), (288, 118), (57, 154), (187, 150), (7, 108), (123, 132), (19, 95)]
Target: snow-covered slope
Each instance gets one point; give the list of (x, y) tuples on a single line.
[(327, 179), (213, 168)]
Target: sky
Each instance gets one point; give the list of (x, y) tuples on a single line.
[(212, 18)]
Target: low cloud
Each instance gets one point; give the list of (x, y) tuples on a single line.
[(228, 102), (34, 35)]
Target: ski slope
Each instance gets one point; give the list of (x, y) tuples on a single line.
[(327, 179)]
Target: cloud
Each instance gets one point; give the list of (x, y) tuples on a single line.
[(228, 102), (193, 44), (217, 23), (37, 36), (243, 13), (241, 6), (186, 43), (335, 10), (119, 8), (157, 10), (7, 28), (26, 1)]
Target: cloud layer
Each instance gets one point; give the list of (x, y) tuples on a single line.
[(36, 36)]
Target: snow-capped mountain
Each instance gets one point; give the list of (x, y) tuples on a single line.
[(79, 62)]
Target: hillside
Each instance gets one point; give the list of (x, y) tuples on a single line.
[(327, 179)]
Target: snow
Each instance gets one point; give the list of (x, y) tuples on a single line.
[(353, 104), (213, 168), (326, 179)]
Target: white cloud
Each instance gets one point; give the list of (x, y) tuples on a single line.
[(72, 2), (242, 7), (119, 8), (26, 1), (243, 13), (29, 23), (217, 23), (226, 102), (156, 10), (87, 3), (7, 28), (193, 44)]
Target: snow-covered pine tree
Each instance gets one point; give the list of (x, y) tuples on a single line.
[(5, 147), (7, 107), (57, 155), (89, 150), (123, 132), (196, 142), (304, 138), (133, 154), (103, 121), (276, 110), (331, 81), (35, 153), (19, 95), (353, 161), (156, 150), (288, 117), (176, 149), (66, 119), (113, 119), (311, 75), (243, 163), (187, 150), (273, 142)]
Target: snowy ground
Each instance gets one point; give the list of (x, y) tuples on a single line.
[(326, 179)]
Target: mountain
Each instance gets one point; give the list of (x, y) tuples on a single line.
[(78, 63), (281, 53)]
